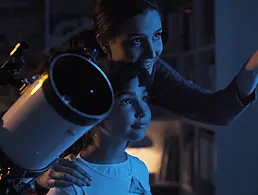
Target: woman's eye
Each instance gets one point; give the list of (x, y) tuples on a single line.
[(126, 101), (158, 35), (136, 41), (146, 99)]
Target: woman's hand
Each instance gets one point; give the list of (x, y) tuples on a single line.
[(64, 173), (252, 64), (247, 79)]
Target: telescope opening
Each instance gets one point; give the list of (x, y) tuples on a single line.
[(82, 85)]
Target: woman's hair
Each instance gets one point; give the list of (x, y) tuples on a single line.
[(76, 44), (110, 15), (84, 39)]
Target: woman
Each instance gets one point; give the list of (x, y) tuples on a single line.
[(104, 158), (130, 30)]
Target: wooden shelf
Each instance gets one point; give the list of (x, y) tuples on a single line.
[(188, 53), (190, 50)]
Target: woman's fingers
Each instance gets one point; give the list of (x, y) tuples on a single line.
[(72, 168), (52, 183), (69, 178), (65, 173)]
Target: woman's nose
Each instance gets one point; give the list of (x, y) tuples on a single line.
[(139, 115)]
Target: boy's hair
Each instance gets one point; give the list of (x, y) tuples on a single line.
[(119, 74)]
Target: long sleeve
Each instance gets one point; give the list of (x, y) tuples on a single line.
[(173, 92)]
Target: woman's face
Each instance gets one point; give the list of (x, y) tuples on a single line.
[(140, 40), (131, 114)]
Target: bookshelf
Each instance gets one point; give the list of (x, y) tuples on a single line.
[(190, 50)]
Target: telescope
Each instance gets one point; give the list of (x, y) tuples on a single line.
[(54, 110)]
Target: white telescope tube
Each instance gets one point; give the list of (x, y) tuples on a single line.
[(55, 111)]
